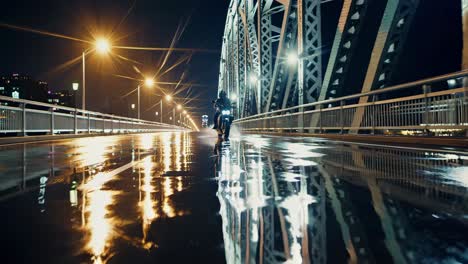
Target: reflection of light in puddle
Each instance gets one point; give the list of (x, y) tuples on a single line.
[(257, 141), (93, 150), (297, 217), (458, 175), (99, 223), (300, 150), (300, 162), (178, 154), (166, 140), (290, 177), (146, 141), (147, 205)]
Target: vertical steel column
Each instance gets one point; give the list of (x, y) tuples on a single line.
[(23, 128), (75, 121), (464, 4), (309, 42), (89, 123), (52, 121)]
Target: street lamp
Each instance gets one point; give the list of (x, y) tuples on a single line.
[(75, 89), (102, 46), (179, 107), (168, 98), (292, 58), (149, 82), (253, 78)]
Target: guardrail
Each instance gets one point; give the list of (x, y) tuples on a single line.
[(25, 116), (432, 106)]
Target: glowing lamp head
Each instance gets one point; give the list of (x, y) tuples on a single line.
[(179, 107), (293, 58), (233, 97), (102, 46), (149, 82), (133, 106), (168, 97), (75, 86), (185, 112), (253, 78)]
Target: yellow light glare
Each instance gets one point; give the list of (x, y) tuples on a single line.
[(179, 107), (185, 112), (168, 97), (149, 82), (103, 46)]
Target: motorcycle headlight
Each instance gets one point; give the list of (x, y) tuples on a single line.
[(226, 112)]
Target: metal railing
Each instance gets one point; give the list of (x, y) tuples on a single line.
[(434, 105), (24, 116)]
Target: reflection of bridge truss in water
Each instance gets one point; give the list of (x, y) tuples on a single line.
[(274, 206)]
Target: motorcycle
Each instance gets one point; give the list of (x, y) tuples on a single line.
[(225, 119)]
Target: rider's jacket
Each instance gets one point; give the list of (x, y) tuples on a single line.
[(222, 103)]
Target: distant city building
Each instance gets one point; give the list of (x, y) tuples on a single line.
[(23, 87), (63, 98)]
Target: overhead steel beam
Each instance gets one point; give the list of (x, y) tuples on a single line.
[(346, 37), (280, 72), (309, 50), (390, 40)]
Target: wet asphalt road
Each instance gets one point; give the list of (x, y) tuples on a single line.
[(184, 197)]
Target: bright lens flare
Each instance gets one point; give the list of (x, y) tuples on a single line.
[(149, 82), (102, 46), (293, 58), (168, 97), (179, 107)]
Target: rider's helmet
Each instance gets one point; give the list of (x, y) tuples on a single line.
[(222, 94)]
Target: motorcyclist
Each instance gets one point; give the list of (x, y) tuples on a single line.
[(219, 104)]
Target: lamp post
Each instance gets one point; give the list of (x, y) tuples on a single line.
[(168, 98), (102, 46), (75, 122)]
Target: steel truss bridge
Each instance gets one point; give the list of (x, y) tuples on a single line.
[(272, 67)]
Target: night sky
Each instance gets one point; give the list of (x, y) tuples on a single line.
[(433, 46), (150, 23)]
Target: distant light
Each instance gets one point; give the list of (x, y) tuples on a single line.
[(170, 117), (102, 46), (133, 106), (233, 97), (149, 82), (292, 58), (452, 83), (157, 113), (75, 86), (253, 78), (15, 94), (179, 107), (168, 97), (185, 112)]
